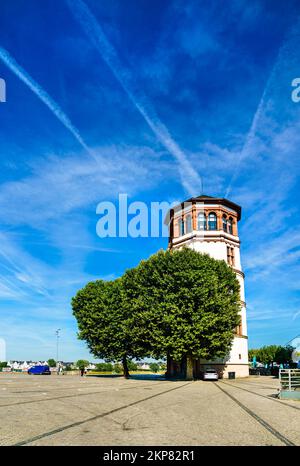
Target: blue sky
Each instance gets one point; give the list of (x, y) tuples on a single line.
[(143, 98)]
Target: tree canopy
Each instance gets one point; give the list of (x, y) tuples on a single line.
[(183, 303), (82, 364), (154, 367), (272, 353), (51, 362), (104, 321), (176, 303)]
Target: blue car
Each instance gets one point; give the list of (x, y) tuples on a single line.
[(39, 370)]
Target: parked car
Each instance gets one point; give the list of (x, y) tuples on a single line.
[(210, 374), (39, 370)]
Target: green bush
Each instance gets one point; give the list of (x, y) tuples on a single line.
[(118, 368), (51, 362), (68, 368), (132, 366), (104, 367), (154, 367), (82, 364)]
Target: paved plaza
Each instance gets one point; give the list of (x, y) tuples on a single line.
[(73, 410)]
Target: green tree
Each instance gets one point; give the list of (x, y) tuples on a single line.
[(82, 364), (177, 303), (267, 354), (272, 353), (284, 354), (184, 305), (2, 365), (105, 322), (51, 362), (132, 366), (253, 352), (162, 365), (154, 367), (104, 367), (117, 368)]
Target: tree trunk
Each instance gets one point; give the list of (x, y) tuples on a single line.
[(169, 363), (189, 368), (125, 367)]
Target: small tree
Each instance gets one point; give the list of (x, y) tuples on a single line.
[(82, 364), (104, 367), (284, 354), (132, 366), (272, 353), (117, 368), (162, 365), (51, 362), (154, 367), (253, 353)]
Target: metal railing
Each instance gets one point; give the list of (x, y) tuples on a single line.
[(289, 379)]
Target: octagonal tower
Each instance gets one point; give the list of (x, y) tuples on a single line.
[(210, 225)]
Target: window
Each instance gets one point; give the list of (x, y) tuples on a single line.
[(230, 226), (230, 255), (239, 331), (181, 227), (202, 221), (188, 224), (212, 221), (224, 220)]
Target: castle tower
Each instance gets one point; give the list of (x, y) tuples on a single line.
[(209, 225)]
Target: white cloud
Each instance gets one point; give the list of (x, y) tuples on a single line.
[(58, 186)]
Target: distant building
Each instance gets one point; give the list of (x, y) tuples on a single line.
[(295, 343)]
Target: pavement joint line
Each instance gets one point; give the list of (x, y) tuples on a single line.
[(261, 421), (263, 396), (66, 396), (253, 384), (98, 416)]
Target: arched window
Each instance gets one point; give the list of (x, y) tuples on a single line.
[(202, 221), (212, 221), (188, 224), (230, 226), (181, 227), (224, 220)]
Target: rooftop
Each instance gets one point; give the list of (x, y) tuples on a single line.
[(211, 200)]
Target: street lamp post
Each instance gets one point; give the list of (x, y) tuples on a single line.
[(57, 340)]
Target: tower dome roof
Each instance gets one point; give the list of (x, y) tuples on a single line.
[(211, 200)]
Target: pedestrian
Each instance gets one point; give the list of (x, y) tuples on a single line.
[(82, 371)]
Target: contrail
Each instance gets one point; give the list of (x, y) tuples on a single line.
[(189, 177), (249, 138), (11, 63), (260, 109)]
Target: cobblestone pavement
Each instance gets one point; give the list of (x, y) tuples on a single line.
[(73, 410)]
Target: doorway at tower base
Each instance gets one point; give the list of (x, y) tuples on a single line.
[(181, 370)]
